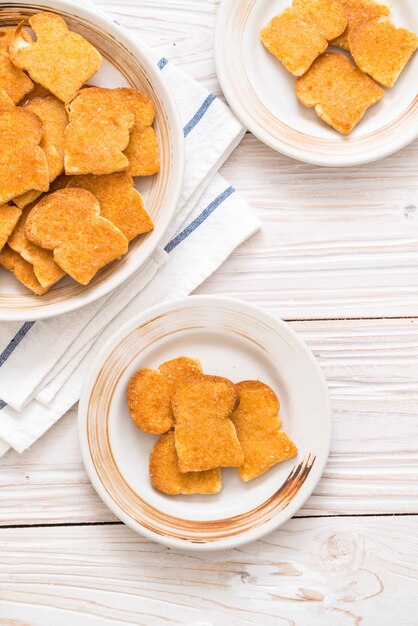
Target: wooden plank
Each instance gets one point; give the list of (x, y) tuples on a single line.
[(334, 243), (371, 368), (343, 572)]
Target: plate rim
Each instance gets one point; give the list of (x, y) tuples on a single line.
[(95, 14), (332, 160), (95, 367)]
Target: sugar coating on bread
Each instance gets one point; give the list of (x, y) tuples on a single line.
[(23, 271), (166, 476), (205, 437), (359, 11), (54, 118), (45, 269), (339, 91), (142, 152), (23, 164), (299, 34), (56, 47), (330, 15), (149, 393), (68, 222), (149, 401), (382, 50), (12, 80), (142, 149), (295, 43), (119, 201), (180, 369), (9, 217), (98, 132), (257, 424)]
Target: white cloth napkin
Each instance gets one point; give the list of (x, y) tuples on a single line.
[(43, 363)]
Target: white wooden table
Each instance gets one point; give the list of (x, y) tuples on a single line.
[(338, 258)]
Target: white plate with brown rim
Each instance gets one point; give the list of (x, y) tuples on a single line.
[(126, 63), (232, 339), (261, 92)]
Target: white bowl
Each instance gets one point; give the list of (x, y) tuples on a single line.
[(261, 92), (126, 63), (231, 339)]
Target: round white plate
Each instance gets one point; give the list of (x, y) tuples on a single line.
[(261, 92), (126, 63), (231, 339)]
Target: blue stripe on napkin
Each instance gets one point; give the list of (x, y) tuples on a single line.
[(199, 114), (15, 342), (162, 63), (11, 347), (199, 219), (201, 110)]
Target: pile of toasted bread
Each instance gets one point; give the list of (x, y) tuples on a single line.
[(205, 423), (339, 91), (68, 155)]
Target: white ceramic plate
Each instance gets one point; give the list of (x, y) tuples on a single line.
[(231, 339), (261, 92), (126, 63)]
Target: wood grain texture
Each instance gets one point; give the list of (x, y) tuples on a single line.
[(371, 368), (181, 30), (334, 243), (343, 572)]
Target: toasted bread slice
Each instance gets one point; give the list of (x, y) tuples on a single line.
[(149, 393), (301, 33), (180, 369), (13, 81), (98, 132), (45, 269), (12, 261), (257, 424), (119, 201), (23, 165), (142, 152), (166, 477), (330, 15), (55, 47), (69, 223), (382, 50), (54, 118), (340, 93), (205, 437), (9, 217), (142, 149), (149, 401)]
